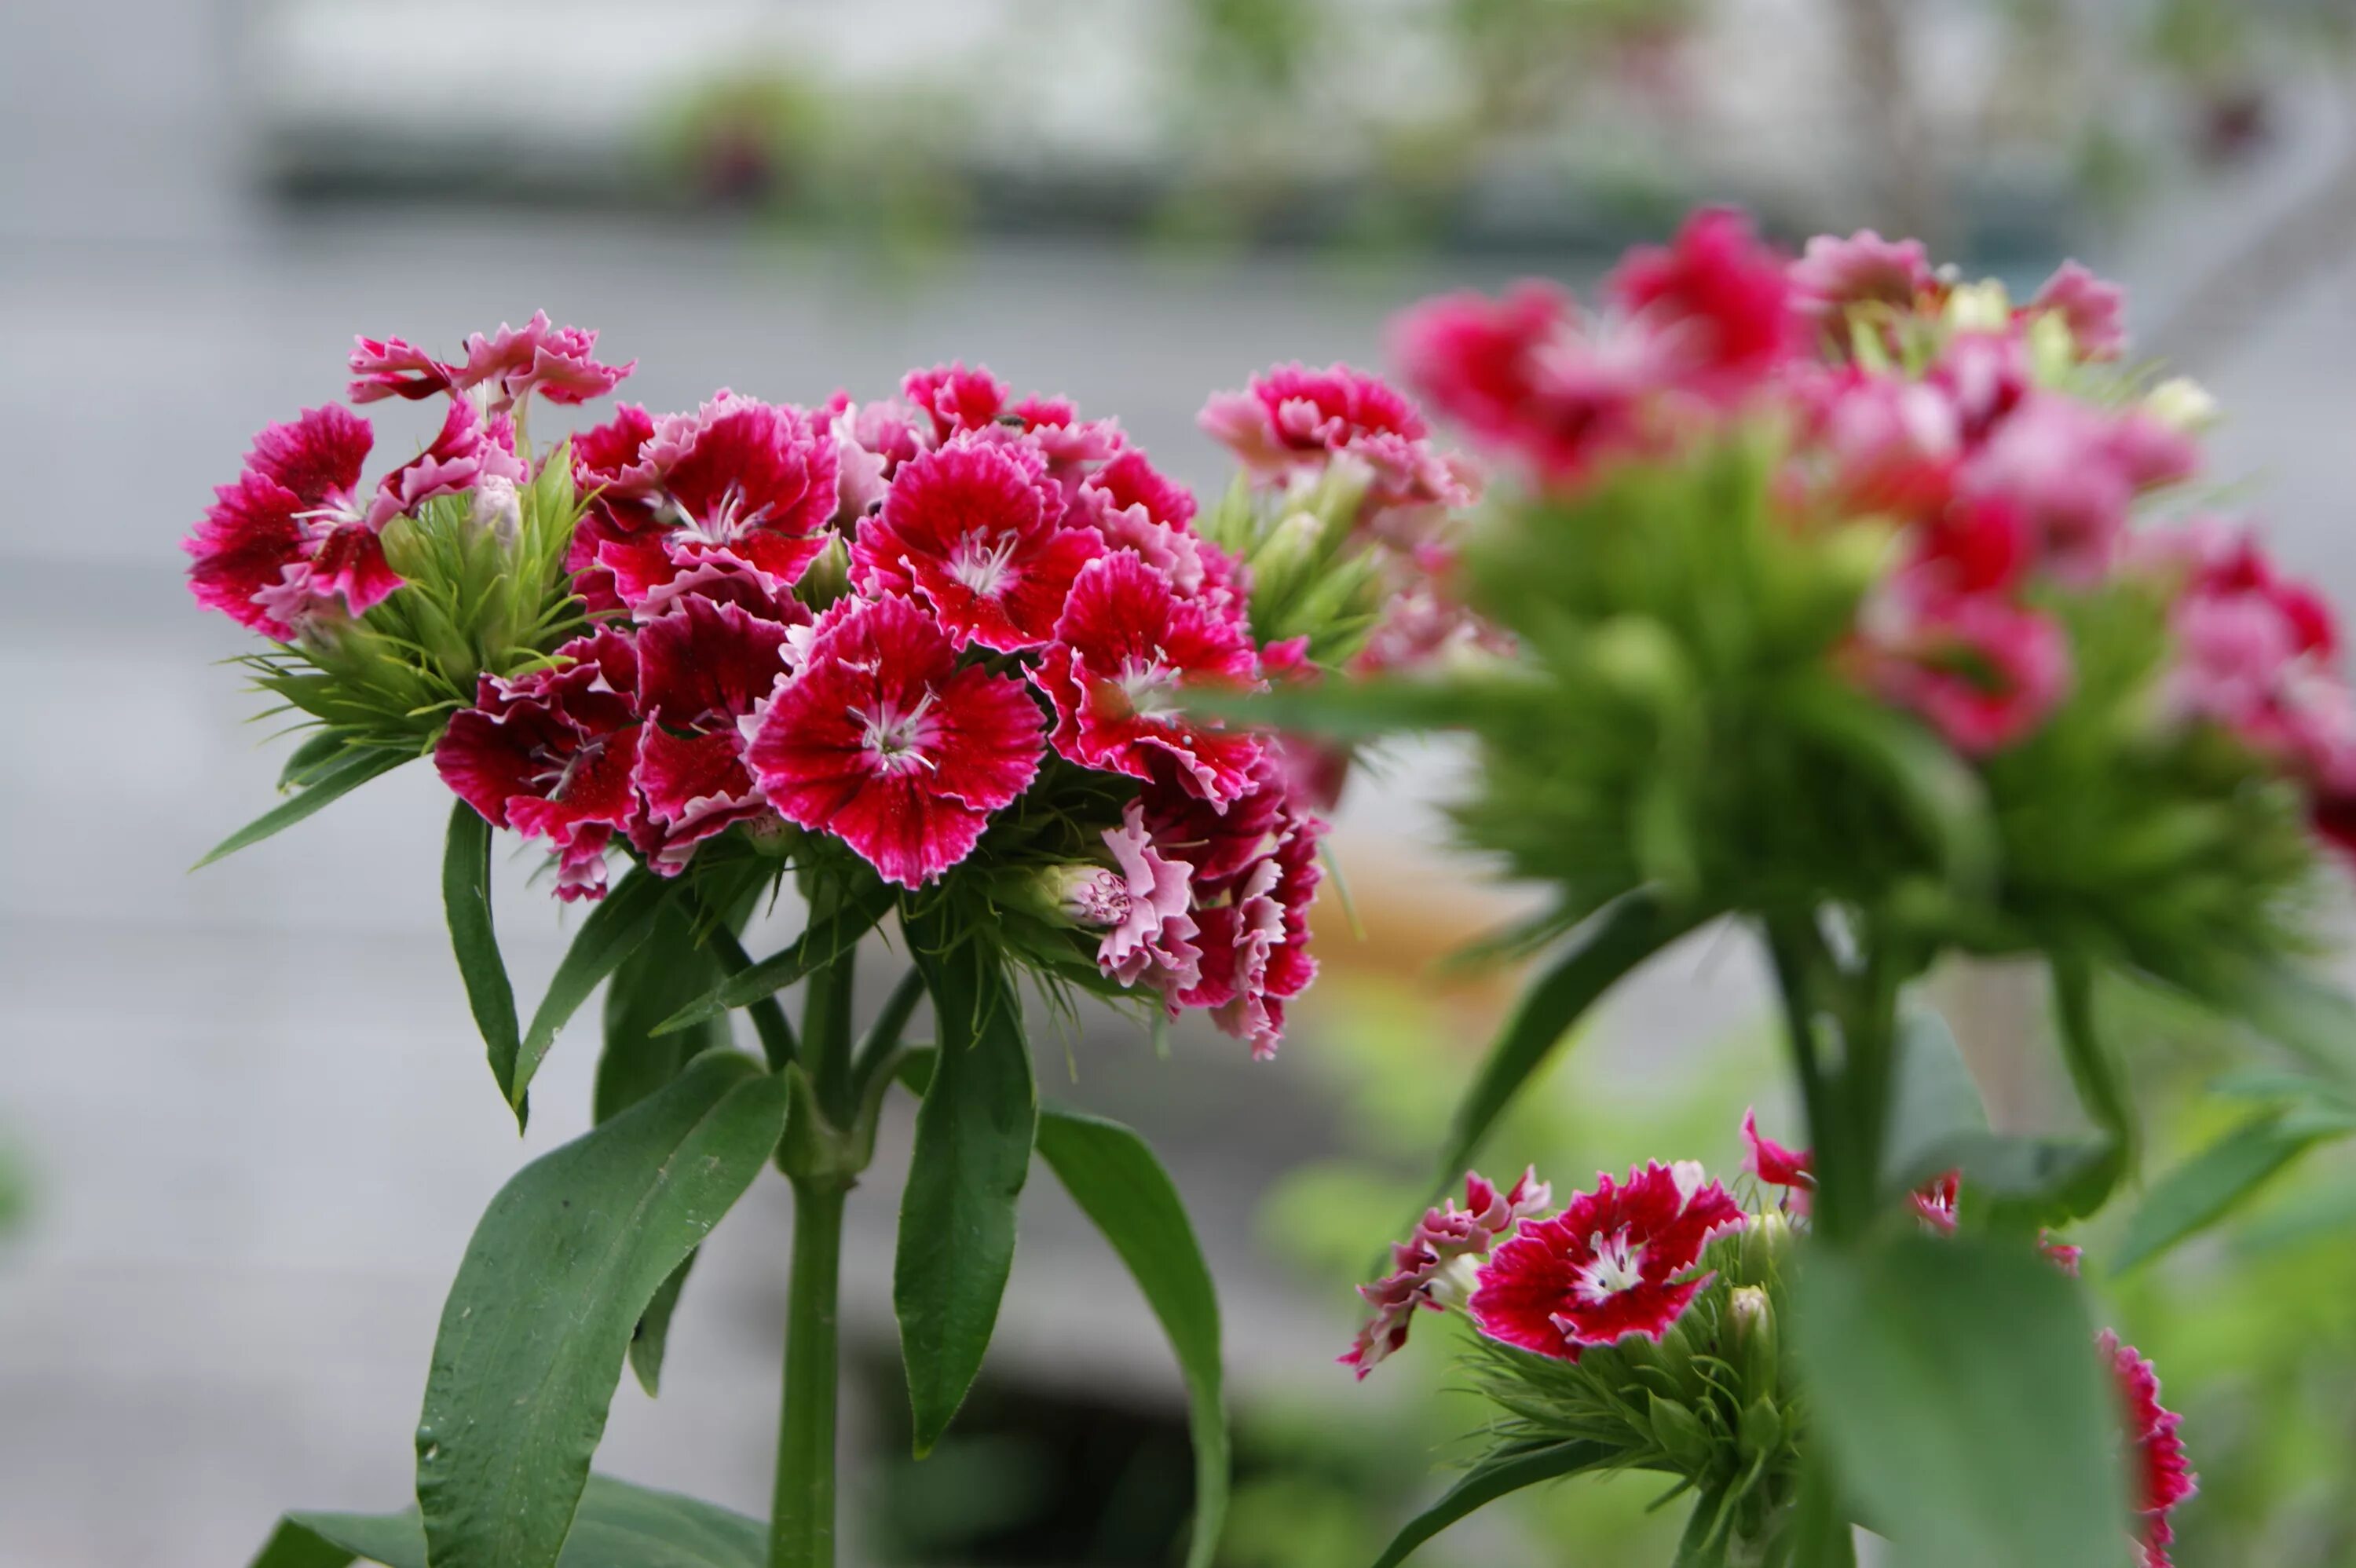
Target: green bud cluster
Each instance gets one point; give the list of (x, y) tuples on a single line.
[(1314, 573)]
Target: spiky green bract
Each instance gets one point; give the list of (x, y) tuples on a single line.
[(473, 601), (1310, 575), (1712, 1405)]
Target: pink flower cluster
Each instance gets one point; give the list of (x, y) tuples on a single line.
[(1938, 408), (881, 622), (2163, 1476)]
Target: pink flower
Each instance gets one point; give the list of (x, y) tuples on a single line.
[(555, 755), (740, 486), (2074, 471), (1129, 502), (703, 666), (974, 529), (1292, 420), (1127, 650), (390, 367), (1934, 1203), (1834, 273), (1431, 1269), (611, 458), (2094, 310), (882, 739), (1893, 443), (1983, 671), (1773, 1164), (1720, 297), (1615, 1261), (870, 441), (557, 362), (955, 398), (1149, 930), (2163, 1475), (469, 448)]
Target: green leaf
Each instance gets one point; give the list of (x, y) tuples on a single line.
[(2100, 1077), (558, 1274), (1506, 1471), (1116, 1181), (651, 1338), (1619, 938), (817, 947), (1934, 1100), (2212, 1183), (618, 1526), (311, 759), (621, 920), (2296, 1011), (1957, 1390), (974, 1135), (467, 904), (1941, 796), (329, 786), (667, 969)]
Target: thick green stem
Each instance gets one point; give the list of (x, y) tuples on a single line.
[(801, 1518), (1848, 1105)]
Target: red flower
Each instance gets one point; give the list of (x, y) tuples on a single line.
[(955, 398), (702, 667), (1773, 1164), (1834, 273), (390, 367), (1934, 1203), (1984, 671), (1134, 506), (555, 755), (1723, 300), (744, 487), (1294, 420), (2163, 1476), (974, 529), (1430, 1270), (1126, 651), (1617, 1261), (882, 739)]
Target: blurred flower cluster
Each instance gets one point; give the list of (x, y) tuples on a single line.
[(1775, 513), (946, 630), (1642, 1318)]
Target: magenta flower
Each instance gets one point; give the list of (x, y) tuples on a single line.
[(1615, 1261), (392, 368), (1145, 911), (1773, 1164), (1722, 300), (558, 362), (2093, 309), (1134, 506), (1127, 650), (702, 667), (880, 739), (1431, 1270), (956, 398), (1981, 670), (1834, 273), (2163, 1475), (1292, 420), (974, 529), (739, 487), (555, 755)]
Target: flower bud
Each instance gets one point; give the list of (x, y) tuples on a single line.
[(496, 509), (1766, 1241), (1077, 895), (827, 578), (1750, 1324), (2182, 404)]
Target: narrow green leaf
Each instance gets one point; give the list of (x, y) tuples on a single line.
[(311, 759), (558, 1274), (651, 1338), (618, 1526), (2100, 1077), (329, 786), (1619, 938), (1508, 1470), (1116, 1181), (466, 905), (665, 969), (621, 920), (974, 1134), (1957, 1390), (819, 946), (2212, 1183)]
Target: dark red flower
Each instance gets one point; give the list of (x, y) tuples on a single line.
[(1723, 300), (1615, 1261), (975, 529), (882, 739), (955, 398), (1127, 650), (1773, 1164)]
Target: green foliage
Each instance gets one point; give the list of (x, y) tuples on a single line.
[(1956, 1383), (866, 901), (621, 920), (2226, 1175), (1116, 1181), (974, 1136), (1510, 1467), (558, 1276), (618, 1526), (466, 906), (322, 780)]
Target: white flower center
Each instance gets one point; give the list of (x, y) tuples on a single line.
[(1150, 687), (979, 566), (1618, 1266), (729, 520), (895, 740)]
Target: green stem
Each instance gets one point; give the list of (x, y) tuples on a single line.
[(801, 1518), (826, 1032), (768, 1017)]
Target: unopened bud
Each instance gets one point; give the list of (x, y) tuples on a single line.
[(1085, 897), (1750, 1323), (827, 578), (498, 510), (2182, 404), (1766, 1241)]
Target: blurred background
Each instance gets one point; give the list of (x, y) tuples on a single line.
[(244, 1125)]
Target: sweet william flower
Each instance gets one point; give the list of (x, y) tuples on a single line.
[(1128, 648), (702, 667), (1292, 421), (1148, 928), (2163, 1477), (955, 398), (975, 530), (1833, 274), (1431, 1270), (1981, 670), (1618, 1261), (1773, 1164), (559, 363), (2093, 309), (1721, 301), (882, 739)]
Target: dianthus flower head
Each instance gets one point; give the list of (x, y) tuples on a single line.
[(881, 738), (557, 362), (1833, 274), (2163, 1477), (956, 398), (1773, 1164), (1293, 421), (1431, 1270), (974, 528), (1149, 927), (1618, 1261), (2094, 310), (703, 666), (1982, 670), (1128, 648), (1719, 296)]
